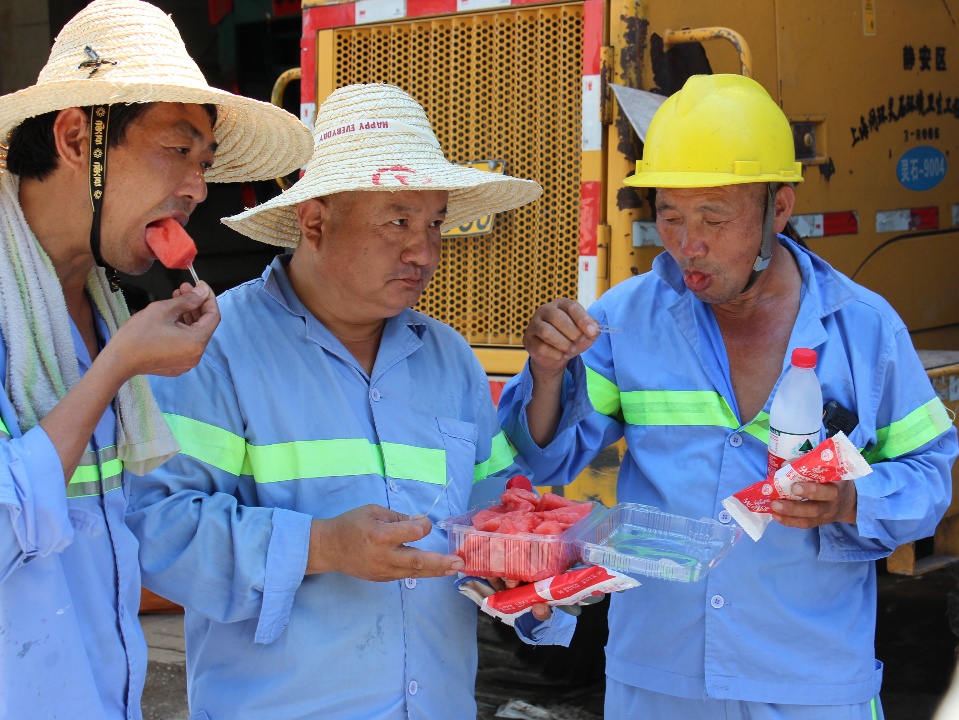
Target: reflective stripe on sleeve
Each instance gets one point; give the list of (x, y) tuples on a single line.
[(86, 479), (210, 444), (913, 431), (603, 394), (501, 457), (4, 433)]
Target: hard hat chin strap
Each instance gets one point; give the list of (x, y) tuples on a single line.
[(99, 127), (766, 248)]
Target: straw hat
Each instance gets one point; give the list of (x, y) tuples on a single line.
[(142, 59), (376, 137)]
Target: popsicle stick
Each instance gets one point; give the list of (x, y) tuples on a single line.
[(442, 492), (196, 280)]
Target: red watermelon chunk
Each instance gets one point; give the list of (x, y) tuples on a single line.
[(488, 520), (503, 548), (551, 501)]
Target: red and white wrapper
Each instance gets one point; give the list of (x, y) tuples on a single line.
[(567, 588), (833, 459)]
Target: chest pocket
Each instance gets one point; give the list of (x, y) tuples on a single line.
[(459, 441)]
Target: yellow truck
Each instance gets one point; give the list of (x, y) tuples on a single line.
[(558, 92)]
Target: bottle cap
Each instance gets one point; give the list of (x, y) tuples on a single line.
[(519, 481), (804, 358)]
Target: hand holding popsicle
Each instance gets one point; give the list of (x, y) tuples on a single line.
[(172, 245)]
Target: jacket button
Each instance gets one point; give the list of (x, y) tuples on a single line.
[(735, 439), (375, 394), (717, 601)]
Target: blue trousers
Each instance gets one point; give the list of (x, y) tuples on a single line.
[(625, 702)]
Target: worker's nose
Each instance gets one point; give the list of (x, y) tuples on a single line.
[(193, 187), (691, 243), (422, 247)]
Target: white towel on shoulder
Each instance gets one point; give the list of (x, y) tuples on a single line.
[(41, 359)]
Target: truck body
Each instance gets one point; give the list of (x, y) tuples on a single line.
[(870, 87)]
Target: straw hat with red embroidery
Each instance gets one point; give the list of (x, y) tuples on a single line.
[(377, 138), (129, 51)]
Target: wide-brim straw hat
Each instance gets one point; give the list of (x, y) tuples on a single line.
[(376, 137), (143, 59)]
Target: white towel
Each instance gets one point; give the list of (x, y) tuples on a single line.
[(41, 359)]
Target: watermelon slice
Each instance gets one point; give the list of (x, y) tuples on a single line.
[(170, 243)]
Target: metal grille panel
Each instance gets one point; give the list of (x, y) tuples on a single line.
[(500, 85)]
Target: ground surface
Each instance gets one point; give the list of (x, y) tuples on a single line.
[(913, 639)]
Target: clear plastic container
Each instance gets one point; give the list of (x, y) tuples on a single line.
[(642, 540), (638, 540), (527, 557)]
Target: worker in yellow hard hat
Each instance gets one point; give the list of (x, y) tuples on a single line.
[(784, 626)]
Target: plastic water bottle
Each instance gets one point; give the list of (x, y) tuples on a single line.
[(795, 417)]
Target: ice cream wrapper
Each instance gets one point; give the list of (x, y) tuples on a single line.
[(568, 588), (834, 459)]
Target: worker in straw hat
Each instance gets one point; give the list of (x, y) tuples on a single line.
[(784, 626), (324, 431), (119, 132)]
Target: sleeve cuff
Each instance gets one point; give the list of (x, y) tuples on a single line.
[(576, 403), (32, 487), (285, 568), (558, 630)]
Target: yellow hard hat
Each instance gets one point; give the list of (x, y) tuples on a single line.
[(717, 130)]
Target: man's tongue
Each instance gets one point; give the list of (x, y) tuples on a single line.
[(696, 281)]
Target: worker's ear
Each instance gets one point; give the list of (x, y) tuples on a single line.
[(313, 215), (71, 138), (785, 202)]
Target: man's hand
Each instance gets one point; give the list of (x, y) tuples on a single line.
[(167, 337), (369, 543), (541, 611), (823, 503), (558, 332)]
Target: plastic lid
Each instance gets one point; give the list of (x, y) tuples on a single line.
[(804, 358)]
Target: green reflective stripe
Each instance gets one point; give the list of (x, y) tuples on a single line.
[(501, 457), (315, 458), (677, 407), (4, 433), (758, 427), (875, 711), (210, 444), (85, 481), (342, 458), (407, 462), (603, 394), (913, 431)]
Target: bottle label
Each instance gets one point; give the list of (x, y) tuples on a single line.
[(784, 447)]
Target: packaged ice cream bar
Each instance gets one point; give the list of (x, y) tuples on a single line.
[(834, 459), (568, 588)]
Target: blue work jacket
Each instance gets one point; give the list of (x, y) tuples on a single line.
[(791, 618), (278, 425), (70, 642)]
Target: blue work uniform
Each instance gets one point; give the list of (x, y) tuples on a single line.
[(278, 425), (789, 619), (70, 642)]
